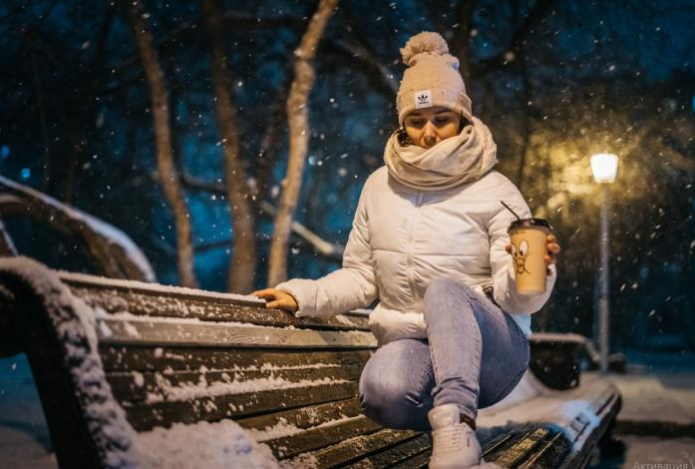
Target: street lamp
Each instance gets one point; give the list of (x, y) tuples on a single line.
[(604, 166)]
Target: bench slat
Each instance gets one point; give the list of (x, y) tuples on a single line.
[(525, 442), (145, 416), (134, 387), (419, 461), (354, 448), (201, 334), (401, 452), (123, 287), (303, 417), (533, 445), (321, 437), (148, 303), (135, 358), (550, 454)]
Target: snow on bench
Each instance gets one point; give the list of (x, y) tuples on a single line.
[(135, 374)]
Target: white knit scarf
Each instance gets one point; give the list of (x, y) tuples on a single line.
[(453, 161)]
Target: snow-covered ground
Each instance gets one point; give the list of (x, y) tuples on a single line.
[(648, 450), (24, 439), (659, 387)]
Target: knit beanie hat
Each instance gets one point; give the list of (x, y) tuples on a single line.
[(432, 77)]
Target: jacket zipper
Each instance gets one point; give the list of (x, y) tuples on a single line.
[(410, 269)]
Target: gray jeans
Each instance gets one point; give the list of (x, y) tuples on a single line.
[(474, 355)]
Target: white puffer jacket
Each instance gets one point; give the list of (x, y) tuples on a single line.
[(402, 239)]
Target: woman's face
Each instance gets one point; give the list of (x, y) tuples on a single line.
[(427, 127)]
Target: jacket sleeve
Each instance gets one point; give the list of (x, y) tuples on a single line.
[(501, 262), (352, 286)]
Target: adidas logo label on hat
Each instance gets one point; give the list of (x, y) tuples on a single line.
[(423, 99)]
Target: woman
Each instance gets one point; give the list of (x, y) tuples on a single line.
[(429, 239)]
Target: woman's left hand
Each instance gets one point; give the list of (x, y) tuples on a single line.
[(553, 249)]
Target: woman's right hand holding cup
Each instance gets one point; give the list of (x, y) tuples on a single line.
[(277, 299)]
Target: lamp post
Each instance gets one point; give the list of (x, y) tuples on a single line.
[(604, 167)]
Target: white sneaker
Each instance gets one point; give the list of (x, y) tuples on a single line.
[(454, 443)]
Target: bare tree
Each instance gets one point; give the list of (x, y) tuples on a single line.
[(242, 265), (162, 131), (298, 117)]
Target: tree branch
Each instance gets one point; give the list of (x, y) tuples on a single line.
[(325, 248), (358, 51)]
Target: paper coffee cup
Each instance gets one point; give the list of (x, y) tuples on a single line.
[(529, 246)]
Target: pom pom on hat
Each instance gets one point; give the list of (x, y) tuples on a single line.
[(425, 42)]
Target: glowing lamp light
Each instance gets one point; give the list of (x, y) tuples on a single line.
[(604, 166)]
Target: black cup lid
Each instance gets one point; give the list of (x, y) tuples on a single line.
[(530, 223)]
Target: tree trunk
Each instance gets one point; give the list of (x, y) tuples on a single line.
[(242, 265), (267, 151), (298, 117), (165, 161), (462, 35), (84, 119)]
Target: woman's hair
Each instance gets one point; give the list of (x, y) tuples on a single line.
[(404, 140)]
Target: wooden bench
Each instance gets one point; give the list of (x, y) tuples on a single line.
[(137, 374)]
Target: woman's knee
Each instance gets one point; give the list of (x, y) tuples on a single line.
[(396, 384), (393, 405)]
